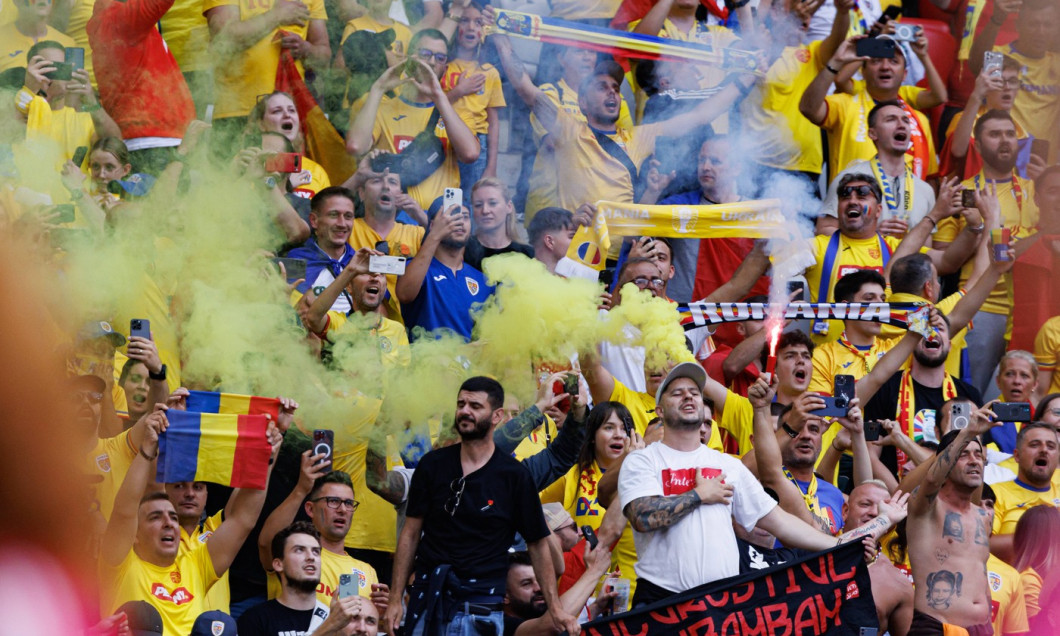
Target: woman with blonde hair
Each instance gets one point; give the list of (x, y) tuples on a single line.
[(277, 113), (493, 214)]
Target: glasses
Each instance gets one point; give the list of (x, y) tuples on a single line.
[(335, 502), (95, 397), (655, 283), (862, 190), (1012, 82), (570, 526), (427, 55), (457, 488)]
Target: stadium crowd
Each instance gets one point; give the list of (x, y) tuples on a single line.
[(394, 158)]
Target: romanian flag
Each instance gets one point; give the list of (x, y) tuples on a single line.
[(323, 144), (221, 448), (233, 404)]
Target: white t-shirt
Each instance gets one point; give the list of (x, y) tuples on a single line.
[(701, 547)]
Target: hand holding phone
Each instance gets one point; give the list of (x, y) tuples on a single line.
[(875, 48), (286, 162), (451, 197), (140, 328), (590, 537), (324, 444)]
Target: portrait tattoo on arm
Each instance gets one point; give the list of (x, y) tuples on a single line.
[(953, 527), (942, 587)]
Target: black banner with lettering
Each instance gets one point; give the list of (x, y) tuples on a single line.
[(823, 593)]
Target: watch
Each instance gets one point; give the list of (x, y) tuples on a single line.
[(270, 182), (161, 375)]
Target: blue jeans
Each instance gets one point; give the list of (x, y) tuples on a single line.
[(476, 625), (470, 173)]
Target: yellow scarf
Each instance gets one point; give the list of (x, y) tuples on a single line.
[(743, 219)]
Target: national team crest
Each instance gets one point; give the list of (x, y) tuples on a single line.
[(103, 463), (995, 581), (217, 628), (472, 286), (385, 345), (874, 253)]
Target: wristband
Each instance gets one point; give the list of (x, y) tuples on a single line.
[(90, 108), (830, 69), (934, 223), (150, 459), (976, 230), (161, 375)]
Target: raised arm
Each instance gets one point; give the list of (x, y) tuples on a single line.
[(284, 514), (936, 93), (230, 35), (462, 141), (812, 104), (121, 528), (920, 234), (359, 138), (411, 282), (892, 361), (709, 109), (601, 382), (988, 35), (923, 496), (839, 30), (316, 319), (752, 268), (652, 23), (792, 532), (556, 460), (961, 136), (510, 434), (543, 107)]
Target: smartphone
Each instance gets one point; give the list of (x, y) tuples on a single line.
[(960, 415), (570, 384), (75, 57), (79, 155), (797, 284), (1040, 148), (1000, 239), (207, 116), (906, 32), (383, 247), (876, 47), (843, 389), (323, 444), (66, 213), (347, 586), (968, 198), (451, 197), (992, 63), (386, 265), (384, 161), (872, 430), (283, 162), (62, 71), (1012, 411), (590, 536), (140, 327), (891, 13), (295, 268)]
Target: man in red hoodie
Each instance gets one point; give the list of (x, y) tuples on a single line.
[(139, 82)]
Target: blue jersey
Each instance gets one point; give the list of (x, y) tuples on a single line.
[(446, 299), (321, 270)]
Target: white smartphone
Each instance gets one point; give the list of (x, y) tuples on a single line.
[(347, 585), (992, 63), (386, 264), (451, 197)]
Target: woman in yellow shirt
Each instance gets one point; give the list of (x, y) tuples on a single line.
[(609, 428), (276, 113), (1037, 546)]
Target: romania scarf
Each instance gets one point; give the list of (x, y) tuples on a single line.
[(911, 316)]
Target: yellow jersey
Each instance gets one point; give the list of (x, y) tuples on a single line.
[(397, 123), (187, 35), (1047, 351), (1008, 611), (14, 45), (782, 137), (946, 305), (331, 566), (403, 239), (250, 73), (543, 191), (847, 123), (218, 597), (1037, 104), (178, 591), (840, 357), (538, 440), (393, 339), (472, 108), (851, 255), (577, 491), (402, 34), (1015, 497), (110, 460), (319, 179), (736, 419), (1019, 214)]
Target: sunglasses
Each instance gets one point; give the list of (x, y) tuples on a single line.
[(456, 487), (862, 191), (94, 397)]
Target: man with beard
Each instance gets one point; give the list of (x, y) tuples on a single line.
[(924, 386), (949, 537), (466, 502), (995, 139), (366, 291), (439, 290), (1036, 454), (297, 610), (326, 252), (678, 491), (380, 195)]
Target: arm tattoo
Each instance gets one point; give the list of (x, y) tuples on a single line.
[(953, 527), (386, 484), (877, 525), (653, 513)]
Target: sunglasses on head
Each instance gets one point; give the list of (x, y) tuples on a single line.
[(861, 190)]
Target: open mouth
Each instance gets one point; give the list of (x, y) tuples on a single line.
[(139, 398), (168, 539), (932, 345), (611, 104), (800, 375), (854, 212), (617, 447), (385, 199), (901, 136), (1041, 462), (287, 126)]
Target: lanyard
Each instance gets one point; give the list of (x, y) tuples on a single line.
[(890, 197), (1017, 193), (810, 496)]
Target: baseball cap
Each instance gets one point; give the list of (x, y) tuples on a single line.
[(556, 516), (144, 619), (213, 623), (102, 329), (690, 370)]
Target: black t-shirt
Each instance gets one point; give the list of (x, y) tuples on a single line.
[(272, 618), (884, 405), (754, 558), (511, 624), (497, 501), (475, 252)]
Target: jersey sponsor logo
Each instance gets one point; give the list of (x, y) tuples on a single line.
[(103, 463), (401, 142), (399, 117), (850, 269), (681, 480), (584, 508), (472, 286), (178, 597), (802, 55), (995, 581), (852, 590)]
